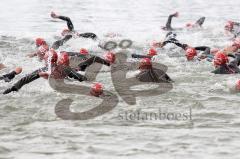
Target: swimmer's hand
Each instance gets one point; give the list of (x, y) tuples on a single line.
[(53, 15), (176, 14), (18, 70)]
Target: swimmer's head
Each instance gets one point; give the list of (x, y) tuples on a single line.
[(40, 42), (96, 89), (84, 51), (145, 63), (152, 52), (189, 25), (190, 53), (110, 57), (229, 26), (220, 59)]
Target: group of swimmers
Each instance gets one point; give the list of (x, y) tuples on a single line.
[(59, 65)]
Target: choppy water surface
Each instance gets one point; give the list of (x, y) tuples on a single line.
[(29, 128)]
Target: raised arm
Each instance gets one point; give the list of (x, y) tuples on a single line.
[(169, 21), (67, 19), (200, 21)]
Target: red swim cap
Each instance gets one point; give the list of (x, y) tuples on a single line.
[(83, 51), (229, 25), (96, 89), (40, 41), (145, 63), (189, 25), (190, 53), (152, 52), (63, 59), (110, 57), (51, 56), (220, 58)]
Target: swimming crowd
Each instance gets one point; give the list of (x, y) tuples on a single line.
[(58, 65)]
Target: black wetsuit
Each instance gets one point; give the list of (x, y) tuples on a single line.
[(168, 26), (153, 75), (169, 38), (87, 60), (236, 29), (231, 68), (35, 75), (176, 42), (8, 77), (59, 43), (206, 50), (140, 56), (169, 22), (200, 21), (25, 80)]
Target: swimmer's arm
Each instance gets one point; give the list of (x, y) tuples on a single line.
[(59, 43), (183, 46), (206, 50), (73, 74), (23, 81), (169, 21), (32, 54), (200, 21), (8, 77), (236, 23), (140, 56), (73, 53), (67, 19), (88, 35)]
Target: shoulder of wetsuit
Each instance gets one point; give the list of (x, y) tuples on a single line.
[(67, 37), (231, 55), (157, 71), (184, 46), (236, 23)]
